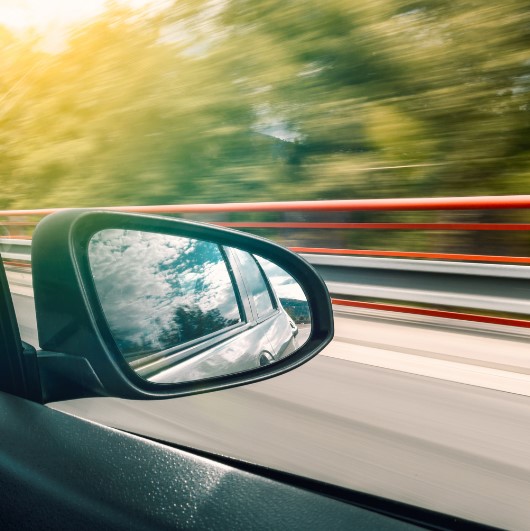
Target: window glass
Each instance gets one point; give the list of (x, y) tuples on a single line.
[(288, 290), (255, 283), (159, 291)]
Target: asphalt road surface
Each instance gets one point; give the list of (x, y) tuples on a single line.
[(426, 411)]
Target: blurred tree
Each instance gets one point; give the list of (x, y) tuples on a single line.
[(438, 83), (238, 100)]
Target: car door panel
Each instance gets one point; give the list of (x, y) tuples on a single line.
[(241, 351), (60, 472)]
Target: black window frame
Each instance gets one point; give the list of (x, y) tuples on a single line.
[(257, 319)]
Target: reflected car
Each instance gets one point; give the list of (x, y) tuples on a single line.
[(181, 309)]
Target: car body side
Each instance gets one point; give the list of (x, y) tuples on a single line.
[(256, 341)]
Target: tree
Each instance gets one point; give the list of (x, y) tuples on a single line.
[(240, 100)]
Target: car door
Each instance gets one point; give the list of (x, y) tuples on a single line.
[(271, 319), (58, 471)]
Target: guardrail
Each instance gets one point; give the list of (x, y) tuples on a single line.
[(16, 252), (477, 282)]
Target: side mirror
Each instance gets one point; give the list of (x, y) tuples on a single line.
[(151, 307)]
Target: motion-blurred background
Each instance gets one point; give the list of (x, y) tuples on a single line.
[(131, 102)]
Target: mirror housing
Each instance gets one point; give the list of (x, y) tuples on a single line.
[(79, 356)]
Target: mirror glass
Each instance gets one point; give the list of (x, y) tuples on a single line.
[(182, 309)]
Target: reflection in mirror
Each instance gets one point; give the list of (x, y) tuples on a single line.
[(291, 296), (182, 309)]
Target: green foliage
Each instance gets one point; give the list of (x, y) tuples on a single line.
[(271, 100)]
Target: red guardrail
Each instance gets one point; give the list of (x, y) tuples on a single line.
[(410, 204), (409, 254), (12, 220), (505, 321), (17, 225)]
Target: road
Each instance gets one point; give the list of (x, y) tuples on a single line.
[(425, 411)]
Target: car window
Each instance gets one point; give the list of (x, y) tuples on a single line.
[(159, 291), (255, 283), (288, 291)]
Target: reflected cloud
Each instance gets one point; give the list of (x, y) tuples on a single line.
[(159, 291), (179, 312), (291, 295)]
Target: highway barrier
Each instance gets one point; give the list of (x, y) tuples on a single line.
[(408, 281)]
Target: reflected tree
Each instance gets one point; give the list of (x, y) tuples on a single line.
[(191, 322)]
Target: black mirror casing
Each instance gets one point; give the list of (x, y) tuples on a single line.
[(79, 356)]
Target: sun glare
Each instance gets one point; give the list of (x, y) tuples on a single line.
[(25, 14), (49, 17)]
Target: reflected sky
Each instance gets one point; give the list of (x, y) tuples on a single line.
[(158, 291), (284, 284), (291, 295), (255, 283)]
